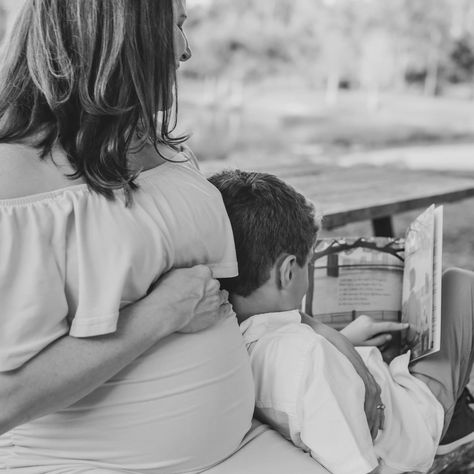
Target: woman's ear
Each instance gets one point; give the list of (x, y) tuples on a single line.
[(286, 271)]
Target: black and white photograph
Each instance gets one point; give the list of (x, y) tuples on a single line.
[(236, 236)]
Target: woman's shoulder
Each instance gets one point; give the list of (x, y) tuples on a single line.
[(23, 173)]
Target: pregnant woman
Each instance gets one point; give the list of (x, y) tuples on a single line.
[(110, 360), (97, 203)]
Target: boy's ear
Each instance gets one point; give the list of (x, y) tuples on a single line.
[(286, 271)]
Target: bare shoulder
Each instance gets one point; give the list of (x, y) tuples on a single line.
[(19, 165), (23, 173)]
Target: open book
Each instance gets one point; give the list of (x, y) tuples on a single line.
[(385, 278)]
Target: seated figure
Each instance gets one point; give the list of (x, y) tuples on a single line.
[(306, 380)]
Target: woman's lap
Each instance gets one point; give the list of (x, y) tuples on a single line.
[(264, 451)]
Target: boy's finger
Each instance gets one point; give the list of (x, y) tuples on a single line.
[(387, 326)]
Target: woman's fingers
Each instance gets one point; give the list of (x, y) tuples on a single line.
[(375, 428), (379, 419), (382, 417), (209, 303), (212, 285), (223, 296), (225, 310), (372, 400), (196, 296)]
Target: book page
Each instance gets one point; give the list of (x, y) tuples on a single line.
[(350, 277), (437, 274), (417, 295)]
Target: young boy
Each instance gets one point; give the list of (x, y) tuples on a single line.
[(306, 386)]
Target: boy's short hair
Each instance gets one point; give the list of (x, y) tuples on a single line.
[(269, 218)]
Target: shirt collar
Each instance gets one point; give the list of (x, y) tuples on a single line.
[(256, 326)]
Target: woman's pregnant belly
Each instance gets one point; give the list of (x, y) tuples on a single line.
[(182, 406)]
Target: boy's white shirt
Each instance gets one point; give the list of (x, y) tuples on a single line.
[(311, 393)]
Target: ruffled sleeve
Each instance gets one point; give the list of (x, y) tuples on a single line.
[(70, 260), (33, 301)]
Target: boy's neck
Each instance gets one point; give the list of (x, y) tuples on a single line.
[(262, 300)]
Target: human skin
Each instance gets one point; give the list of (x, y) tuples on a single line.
[(365, 331), (181, 43)]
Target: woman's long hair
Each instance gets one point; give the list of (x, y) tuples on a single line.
[(91, 75)]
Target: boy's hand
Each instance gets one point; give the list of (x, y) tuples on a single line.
[(365, 331)]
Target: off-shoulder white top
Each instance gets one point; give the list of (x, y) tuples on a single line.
[(70, 259)]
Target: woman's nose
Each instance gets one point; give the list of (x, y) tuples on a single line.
[(186, 55), (187, 50)]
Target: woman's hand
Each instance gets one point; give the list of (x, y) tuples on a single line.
[(373, 406), (365, 331), (197, 298), (211, 308)]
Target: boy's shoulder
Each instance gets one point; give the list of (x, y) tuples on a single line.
[(283, 332)]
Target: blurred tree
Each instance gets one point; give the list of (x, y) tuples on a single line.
[(462, 58), (241, 39), (335, 35), (365, 43), (377, 64), (424, 28)]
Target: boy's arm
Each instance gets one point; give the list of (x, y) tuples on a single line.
[(375, 416)]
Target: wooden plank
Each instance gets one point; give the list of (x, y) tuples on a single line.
[(358, 193), (383, 227)]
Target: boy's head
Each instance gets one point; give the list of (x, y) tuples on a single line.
[(274, 229)]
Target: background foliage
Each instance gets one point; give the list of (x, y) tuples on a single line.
[(368, 44)]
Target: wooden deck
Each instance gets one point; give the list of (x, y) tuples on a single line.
[(347, 195)]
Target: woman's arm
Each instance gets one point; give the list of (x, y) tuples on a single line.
[(185, 300), (375, 417)]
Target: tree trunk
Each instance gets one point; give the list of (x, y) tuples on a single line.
[(432, 72), (332, 87)]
